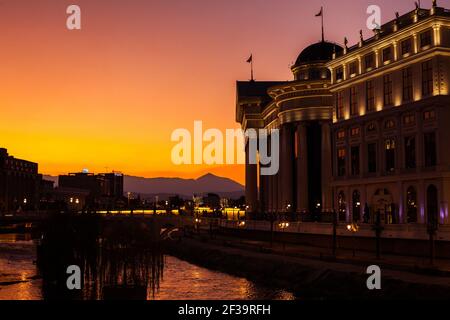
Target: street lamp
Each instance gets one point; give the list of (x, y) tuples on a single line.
[(353, 228), (432, 228), (283, 225), (197, 222), (378, 228)]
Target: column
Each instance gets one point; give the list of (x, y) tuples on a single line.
[(327, 175), (401, 204), (280, 206), (251, 187), (349, 204), (274, 179), (302, 168), (262, 191), (286, 161), (363, 190), (275, 192), (422, 203), (269, 189)]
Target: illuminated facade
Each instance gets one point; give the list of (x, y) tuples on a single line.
[(390, 122), (362, 128), (302, 110)]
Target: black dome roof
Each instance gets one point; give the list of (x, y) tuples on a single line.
[(321, 51)]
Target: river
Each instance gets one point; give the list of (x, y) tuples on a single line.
[(181, 281)]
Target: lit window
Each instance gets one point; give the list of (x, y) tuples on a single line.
[(406, 46), (369, 61), (389, 124), (341, 134), (387, 84), (411, 204), (370, 97), (410, 152), (390, 155), (429, 115), (353, 101), (340, 105), (341, 162), (339, 74), (371, 127), (427, 78), (353, 68), (387, 54), (355, 160), (425, 39), (354, 132), (409, 119), (407, 84)]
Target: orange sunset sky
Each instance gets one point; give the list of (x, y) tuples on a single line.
[(108, 96)]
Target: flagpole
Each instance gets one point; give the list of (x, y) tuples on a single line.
[(323, 34), (251, 67)]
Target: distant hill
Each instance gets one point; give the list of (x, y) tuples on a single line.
[(165, 187), (184, 187)]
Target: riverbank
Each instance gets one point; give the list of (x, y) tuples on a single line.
[(309, 279)]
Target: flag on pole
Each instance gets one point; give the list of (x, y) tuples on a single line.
[(320, 13), (250, 60)]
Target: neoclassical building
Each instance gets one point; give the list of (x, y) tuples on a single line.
[(363, 129), (302, 110)]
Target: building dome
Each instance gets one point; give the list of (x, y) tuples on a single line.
[(321, 51)]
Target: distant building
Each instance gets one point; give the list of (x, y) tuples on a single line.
[(112, 184), (72, 199), (46, 193), (19, 183), (103, 189), (212, 201), (104, 184)]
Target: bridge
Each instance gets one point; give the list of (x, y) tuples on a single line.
[(394, 231)]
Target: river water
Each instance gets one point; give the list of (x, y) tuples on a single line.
[(181, 281)]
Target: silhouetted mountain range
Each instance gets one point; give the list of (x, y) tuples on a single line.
[(165, 187)]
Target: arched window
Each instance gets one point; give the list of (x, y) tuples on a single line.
[(371, 128), (389, 124), (342, 204), (432, 206), (356, 204), (411, 205), (389, 146)]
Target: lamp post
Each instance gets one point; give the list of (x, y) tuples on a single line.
[(197, 222), (378, 228), (335, 222), (283, 226), (353, 228), (272, 221), (432, 229)]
